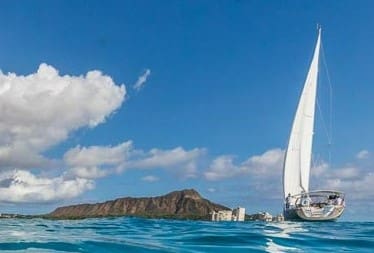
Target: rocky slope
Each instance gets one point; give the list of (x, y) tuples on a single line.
[(185, 204)]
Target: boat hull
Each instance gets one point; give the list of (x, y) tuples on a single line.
[(306, 214), (291, 215)]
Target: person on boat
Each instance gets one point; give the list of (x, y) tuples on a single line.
[(330, 200), (288, 200)]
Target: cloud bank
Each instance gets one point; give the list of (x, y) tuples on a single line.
[(268, 163), (98, 161), (263, 173), (39, 111), (21, 186), (356, 179)]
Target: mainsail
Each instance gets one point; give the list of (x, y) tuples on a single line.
[(299, 151)]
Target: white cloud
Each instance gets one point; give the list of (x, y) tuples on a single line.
[(267, 164), (181, 161), (355, 189), (355, 178), (363, 154), (98, 161), (87, 163), (264, 174), (319, 170), (212, 190), (150, 179), (24, 187), (141, 80), (222, 167), (39, 111), (348, 173), (21, 157), (356, 181), (97, 155), (87, 172)]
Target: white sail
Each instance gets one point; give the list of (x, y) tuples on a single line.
[(299, 151)]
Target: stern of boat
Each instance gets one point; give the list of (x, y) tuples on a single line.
[(316, 206), (326, 213)]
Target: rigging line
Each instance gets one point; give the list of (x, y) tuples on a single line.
[(326, 130), (330, 100), (324, 122), (330, 89)]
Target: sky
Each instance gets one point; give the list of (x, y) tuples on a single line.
[(105, 99)]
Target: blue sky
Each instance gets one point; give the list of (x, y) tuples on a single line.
[(222, 87)]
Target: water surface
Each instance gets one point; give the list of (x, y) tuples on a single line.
[(147, 235)]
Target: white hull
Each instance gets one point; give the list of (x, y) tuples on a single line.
[(329, 213), (315, 206)]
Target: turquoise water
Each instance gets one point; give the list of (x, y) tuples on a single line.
[(142, 235)]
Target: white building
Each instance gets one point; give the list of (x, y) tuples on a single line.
[(223, 215), (238, 214), (265, 216)]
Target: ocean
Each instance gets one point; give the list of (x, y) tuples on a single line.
[(150, 235)]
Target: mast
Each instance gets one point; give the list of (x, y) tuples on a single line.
[(299, 151)]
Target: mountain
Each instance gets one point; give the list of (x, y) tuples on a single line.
[(185, 204)]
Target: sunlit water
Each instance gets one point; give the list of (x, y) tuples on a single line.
[(143, 235)]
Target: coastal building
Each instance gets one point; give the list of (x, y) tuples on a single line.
[(237, 214), (261, 216), (223, 215), (265, 216)]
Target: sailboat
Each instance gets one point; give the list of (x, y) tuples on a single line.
[(299, 202)]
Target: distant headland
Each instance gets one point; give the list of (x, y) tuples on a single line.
[(184, 204)]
